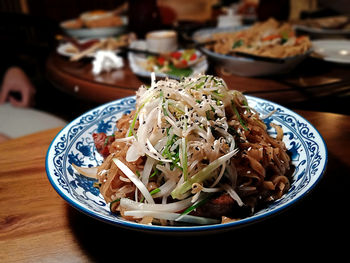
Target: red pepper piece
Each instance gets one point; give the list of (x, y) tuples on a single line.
[(176, 54), (193, 57), (160, 61)]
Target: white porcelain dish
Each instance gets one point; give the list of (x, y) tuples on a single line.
[(332, 50), (74, 144), (64, 49)]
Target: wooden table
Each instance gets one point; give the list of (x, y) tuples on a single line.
[(36, 225), (77, 79), (307, 87)]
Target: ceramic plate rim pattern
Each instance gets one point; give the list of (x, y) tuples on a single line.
[(69, 144)]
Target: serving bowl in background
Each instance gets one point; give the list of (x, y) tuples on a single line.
[(94, 32), (332, 50), (246, 66), (136, 62)]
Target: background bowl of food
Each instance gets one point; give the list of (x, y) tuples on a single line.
[(97, 23), (324, 27), (176, 64), (263, 49)]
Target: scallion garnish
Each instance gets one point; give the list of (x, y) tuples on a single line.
[(241, 121)]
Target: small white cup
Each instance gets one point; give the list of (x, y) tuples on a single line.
[(162, 41)]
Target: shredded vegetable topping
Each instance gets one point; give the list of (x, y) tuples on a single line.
[(193, 151)]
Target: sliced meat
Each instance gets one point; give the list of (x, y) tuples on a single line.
[(217, 207), (222, 205), (102, 143)]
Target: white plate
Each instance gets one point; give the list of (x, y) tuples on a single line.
[(247, 67), (337, 51), (74, 144), (136, 61), (63, 49)]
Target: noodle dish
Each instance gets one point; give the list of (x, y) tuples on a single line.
[(185, 154)]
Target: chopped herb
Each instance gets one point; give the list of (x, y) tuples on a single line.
[(179, 72), (184, 158), (238, 43), (113, 204), (284, 37), (238, 116), (107, 139), (155, 172), (200, 85), (131, 129), (217, 93), (154, 191), (96, 184), (196, 205), (283, 40), (207, 113)]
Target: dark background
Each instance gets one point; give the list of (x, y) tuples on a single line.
[(27, 35)]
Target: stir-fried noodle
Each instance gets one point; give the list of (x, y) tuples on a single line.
[(192, 151)]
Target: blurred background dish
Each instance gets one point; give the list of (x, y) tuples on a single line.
[(141, 64), (78, 49), (100, 18), (68, 49), (96, 23), (94, 32), (324, 27), (332, 50), (244, 66)]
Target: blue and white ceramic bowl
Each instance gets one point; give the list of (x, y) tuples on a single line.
[(74, 144)]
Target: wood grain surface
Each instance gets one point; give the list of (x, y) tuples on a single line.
[(33, 225), (37, 225)]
